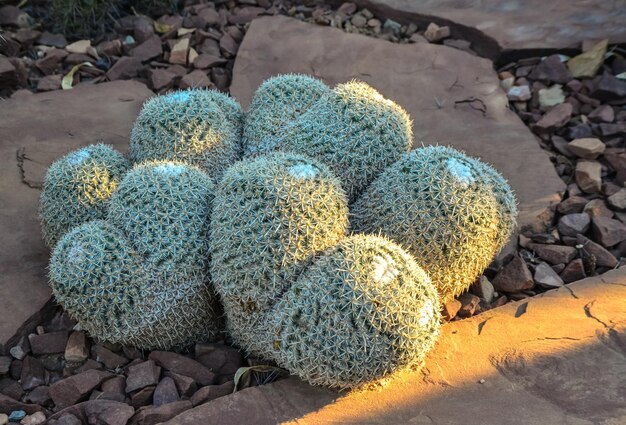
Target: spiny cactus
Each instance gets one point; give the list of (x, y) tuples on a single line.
[(276, 102), (271, 215), (164, 208), (199, 127), (451, 211), (77, 188), (362, 310), (141, 277), (353, 129)]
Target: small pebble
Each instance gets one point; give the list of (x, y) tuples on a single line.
[(4, 419), (482, 381), (17, 415)]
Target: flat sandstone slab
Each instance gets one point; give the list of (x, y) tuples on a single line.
[(558, 358), (496, 25), (35, 131), (444, 90)]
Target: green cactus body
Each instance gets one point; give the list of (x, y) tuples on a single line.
[(276, 102), (362, 310), (271, 215), (164, 208), (451, 211), (199, 127), (77, 188), (354, 130)]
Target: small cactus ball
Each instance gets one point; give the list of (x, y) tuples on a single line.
[(200, 127), (453, 212), (354, 130), (362, 310), (276, 102), (271, 215), (77, 188)]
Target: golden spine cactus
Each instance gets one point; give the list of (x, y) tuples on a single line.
[(353, 129), (454, 213), (270, 217), (77, 188), (199, 127), (362, 310), (276, 102)]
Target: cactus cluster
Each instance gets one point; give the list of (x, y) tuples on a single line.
[(329, 246)]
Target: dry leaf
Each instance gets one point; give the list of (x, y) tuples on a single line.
[(68, 79), (587, 64)]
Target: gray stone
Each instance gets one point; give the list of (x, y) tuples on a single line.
[(211, 392), (617, 201), (587, 148), (589, 176), (165, 392), (142, 375), (555, 118), (5, 364), (603, 257), (607, 231), (33, 373), (220, 358), (182, 365), (484, 289), (603, 113), (551, 96), (545, 276), (110, 359), (551, 70), (519, 93), (574, 224), (76, 349), (573, 204)]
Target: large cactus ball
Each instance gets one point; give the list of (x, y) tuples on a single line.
[(271, 216), (276, 102), (200, 127), (454, 213), (362, 310), (77, 188)]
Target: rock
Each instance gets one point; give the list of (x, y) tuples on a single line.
[(81, 46), (220, 358), (209, 16), (117, 385), (14, 16), (4, 419), (359, 20), (228, 46), (9, 405), (76, 349), (195, 79), (450, 309), (587, 148), (5, 364), (142, 375), (68, 419), (33, 373), (573, 204), (206, 60), (109, 358), (110, 48), (48, 343), (142, 397), (49, 83), (551, 70), (469, 304), (608, 88), (597, 208), (9, 74), (124, 69), (551, 96), (76, 388), (11, 388), (182, 365), (603, 113), (617, 201), (162, 79), (179, 52), (165, 392), (436, 33), (153, 415), (463, 45), (514, 277), (588, 63), (39, 395), (36, 418), (149, 49), (49, 63), (589, 176), (519, 93), (211, 392), (554, 254), (545, 276), (574, 271), (555, 118), (186, 386), (221, 78), (245, 15), (560, 144), (603, 257), (607, 231), (54, 40), (90, 364), (17, 415), (574, 224)]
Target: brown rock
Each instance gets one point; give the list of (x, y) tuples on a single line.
[(589, 176), (90, 364), (50, 82), (587, 148), (49, 63), (76, 388), (450, 309), (143, 397), (54, 40), (211, 392), (554, 254), (5, 364), (27, 36), (209, 16), (117, 384), (186, 386), (80, 46), (210, 47), (551, 70), (555, 118), (76, 58), (436, 33), (76, 349), (68, 419), (245, 15), (162, 79), (205, 61), (182, 365), (221, 78), (514, 277), (48, 343), (179, 52), (149, 49), (573, 204), (220, 358), (469, 303), (617, 201), (14, 16), (124, 69), (142, 375), (165, 392), (40, 396), (597, 208), (109, 358), (608, 88), (110, 48), (33, 373), (574, 224), (228, 46), (603, 113), (156, 414), (607, 231), (195, 79), (573, 271), (603, 257), (11, 388), (7, 404)]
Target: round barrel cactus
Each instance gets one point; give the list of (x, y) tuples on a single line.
[(199, 127), (363, 309), (271, 215), (77, 188), (454, 213), (276, 102), (353, 129)]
